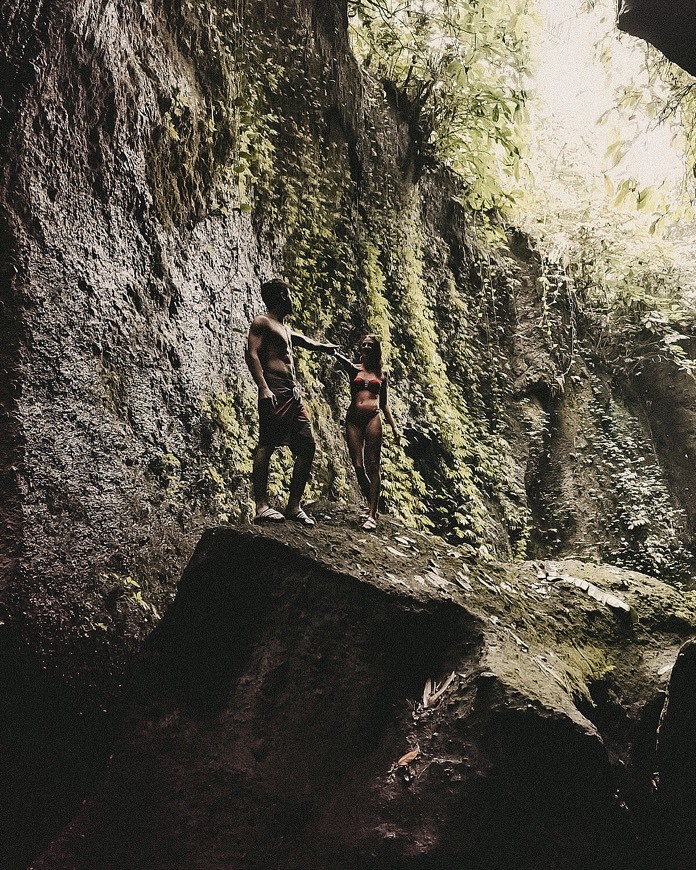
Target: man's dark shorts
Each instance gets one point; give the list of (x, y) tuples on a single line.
[(285, 423)]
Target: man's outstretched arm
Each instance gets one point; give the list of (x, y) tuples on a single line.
[(348, 367), (299, 340)]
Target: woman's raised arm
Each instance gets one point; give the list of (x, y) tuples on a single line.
[(348, 367)]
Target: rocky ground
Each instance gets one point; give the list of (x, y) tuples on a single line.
[(336, 699)]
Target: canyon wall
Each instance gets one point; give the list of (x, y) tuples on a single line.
[(161, 160)]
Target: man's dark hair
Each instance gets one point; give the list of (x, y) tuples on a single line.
[(271, 291)]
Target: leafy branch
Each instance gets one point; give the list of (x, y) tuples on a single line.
[(457, 69)]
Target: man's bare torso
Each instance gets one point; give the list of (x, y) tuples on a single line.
[(275, 352)]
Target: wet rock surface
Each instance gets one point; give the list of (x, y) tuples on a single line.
[(336, 699)]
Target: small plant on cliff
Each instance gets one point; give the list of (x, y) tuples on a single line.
[(643, 527)]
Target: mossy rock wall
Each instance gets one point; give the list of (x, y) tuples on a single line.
[(210, 146), (162, 159)]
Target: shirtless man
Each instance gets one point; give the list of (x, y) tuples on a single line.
[(283, 418)]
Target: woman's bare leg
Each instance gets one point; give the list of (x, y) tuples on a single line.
[(355, 436), (373, 451)]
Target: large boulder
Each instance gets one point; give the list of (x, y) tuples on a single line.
[(342, 700)]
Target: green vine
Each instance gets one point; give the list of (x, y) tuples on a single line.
[(457, 67), (643, 528)]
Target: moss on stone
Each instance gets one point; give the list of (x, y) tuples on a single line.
[(268, 127)]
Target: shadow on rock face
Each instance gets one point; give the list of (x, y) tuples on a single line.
[(676, 761), (236, 595), (52, 754)]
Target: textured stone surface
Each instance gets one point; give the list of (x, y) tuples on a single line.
[(274, 712)]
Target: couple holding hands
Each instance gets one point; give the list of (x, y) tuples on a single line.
[(283, 418)]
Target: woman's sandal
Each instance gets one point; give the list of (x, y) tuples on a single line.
[(268, 516), (302, 518), (369, 525)]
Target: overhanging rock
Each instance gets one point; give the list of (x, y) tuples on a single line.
[(670, 27)]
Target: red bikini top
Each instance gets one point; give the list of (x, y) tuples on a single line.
[(373, 385)]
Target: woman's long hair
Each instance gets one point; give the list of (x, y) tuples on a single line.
[(375, 356)]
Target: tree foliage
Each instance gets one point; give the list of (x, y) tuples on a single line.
[(621, 236), (457, 67)]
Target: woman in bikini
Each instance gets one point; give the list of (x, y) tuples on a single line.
[(368, 392)]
